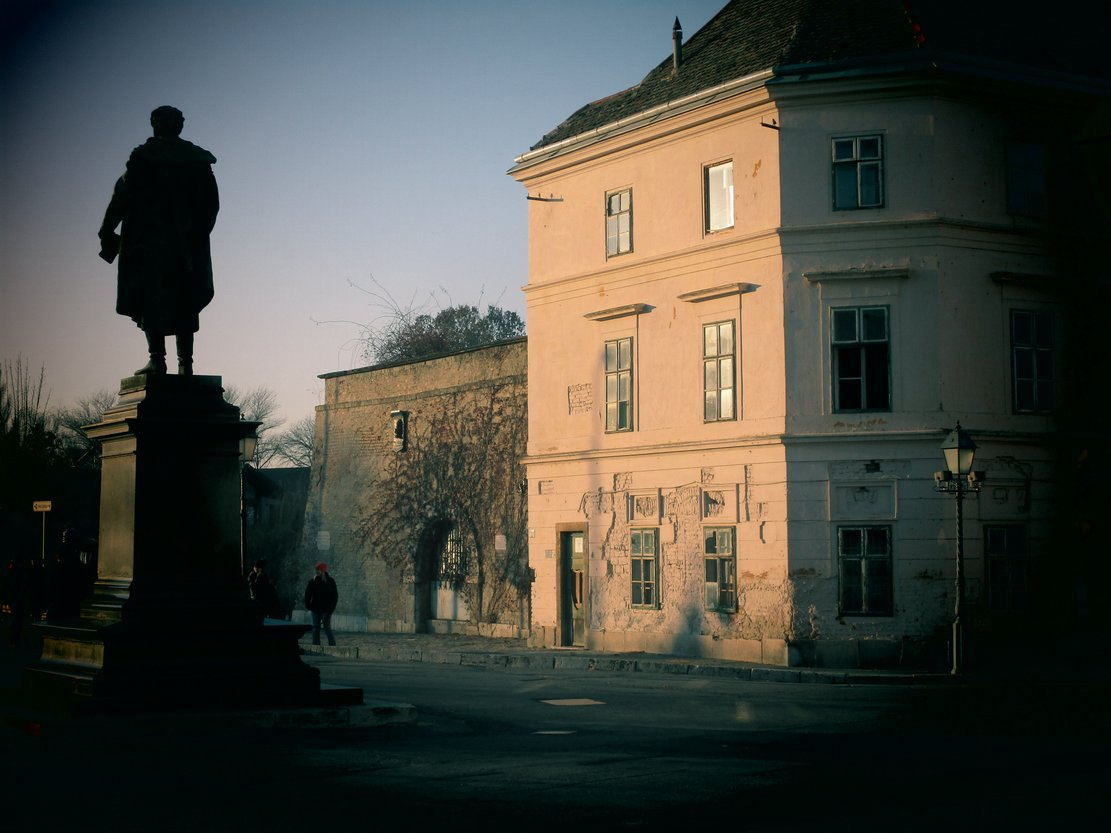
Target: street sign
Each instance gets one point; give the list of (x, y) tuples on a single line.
[(44, 507)]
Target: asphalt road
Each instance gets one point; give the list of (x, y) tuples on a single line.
[(502, 749)]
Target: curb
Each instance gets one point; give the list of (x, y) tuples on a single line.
[(559, 660)]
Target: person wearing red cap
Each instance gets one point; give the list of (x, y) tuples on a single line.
[(321, 596)]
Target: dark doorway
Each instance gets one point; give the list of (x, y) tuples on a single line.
[(572, 588)]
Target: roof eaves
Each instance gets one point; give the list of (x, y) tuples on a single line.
[(645, 117)]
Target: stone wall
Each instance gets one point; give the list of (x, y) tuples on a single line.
[(378, 429)]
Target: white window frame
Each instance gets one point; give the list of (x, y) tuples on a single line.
[(717, 187), (864, 561), (650, 560), (862, 339), (619, 222), (1033, 362), (720, 590), (719, 372), (858, 167), (618, 383)]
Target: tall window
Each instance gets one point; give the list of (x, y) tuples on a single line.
[(861, 359), (864, 565), (719, 196), (1005, 555), (858, 172), (718, 364), (1032, 360), (644, 551), (452, 557), (719, 553), (619, 385), (619, 223), (1026, 184)]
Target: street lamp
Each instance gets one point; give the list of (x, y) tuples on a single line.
[(959, 451), (248, 446)]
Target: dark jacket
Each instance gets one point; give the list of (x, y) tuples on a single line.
[(167, 202), (321, 595), (264, 594)]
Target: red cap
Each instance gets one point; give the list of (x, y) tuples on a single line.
[(322, 567)]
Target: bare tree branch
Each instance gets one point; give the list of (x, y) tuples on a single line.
[(462, 468), (258, 404)]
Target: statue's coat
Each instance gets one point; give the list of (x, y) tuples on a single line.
[(167, 202)]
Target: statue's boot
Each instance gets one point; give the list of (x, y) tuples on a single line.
[(185, 354), (157, 364)]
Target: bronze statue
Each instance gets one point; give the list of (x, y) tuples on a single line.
[(167, 202)]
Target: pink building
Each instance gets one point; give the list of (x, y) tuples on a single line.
[(764, 284)]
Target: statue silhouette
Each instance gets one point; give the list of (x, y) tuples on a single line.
[(165, 204)]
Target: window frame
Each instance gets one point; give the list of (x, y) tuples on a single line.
[(716, 360), (612, 383), (886, 560), (613, 239), (1027, 193), (727, 193), (1007, 567), (722, 563), (1041, 359), (639, 558), (856, 164), (866, 348), (454, 553)]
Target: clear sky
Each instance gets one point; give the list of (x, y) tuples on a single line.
[(358, 141)]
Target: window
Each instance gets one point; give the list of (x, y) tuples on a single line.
[(644, 551), (864, 564), (861, 359), (717, 371), (1032, 360), (858, 172), (721, 568), (1005, 556), (1026, 184), (452, 557), (619, 223), (719, 196), (619, 385)]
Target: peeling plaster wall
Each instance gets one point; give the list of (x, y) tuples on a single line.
[(725, 496)]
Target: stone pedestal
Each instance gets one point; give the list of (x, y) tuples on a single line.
[(169, 623)]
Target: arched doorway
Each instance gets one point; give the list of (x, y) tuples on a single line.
[(450, 563)]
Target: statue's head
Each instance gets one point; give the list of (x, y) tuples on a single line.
[(167, 121)]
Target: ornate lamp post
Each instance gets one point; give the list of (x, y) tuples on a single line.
[(958, 478)]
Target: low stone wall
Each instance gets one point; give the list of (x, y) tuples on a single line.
[(363, 624)]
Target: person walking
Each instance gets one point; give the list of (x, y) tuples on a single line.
[(321, 597), (263, 591)]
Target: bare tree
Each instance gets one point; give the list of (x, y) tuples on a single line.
[(24, 417), (463, 468), (32, 463), (258, 404), (294, 445), (71, 421)]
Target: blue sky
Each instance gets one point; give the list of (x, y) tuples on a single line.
[(357, 143)]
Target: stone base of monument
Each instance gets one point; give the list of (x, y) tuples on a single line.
[(175, 667), (169, 625)]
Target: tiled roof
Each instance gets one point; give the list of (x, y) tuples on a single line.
[(750, 36)]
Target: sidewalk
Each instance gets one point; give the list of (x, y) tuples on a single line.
[(455, 649)]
